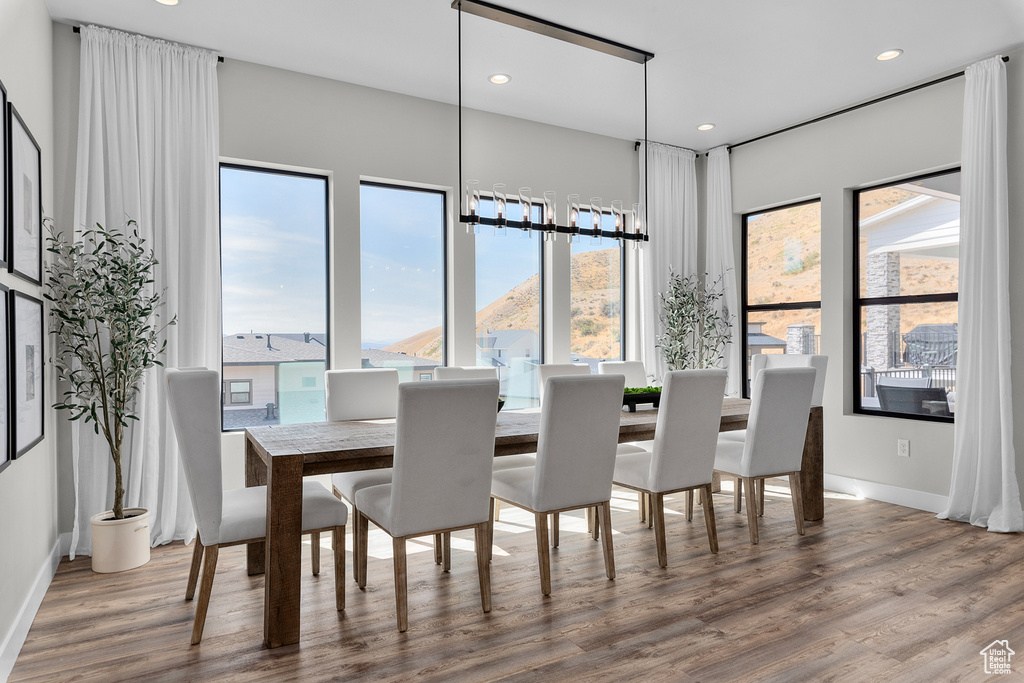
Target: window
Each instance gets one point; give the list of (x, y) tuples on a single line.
[(595, 313), (508, 299), (402, 243), (908, 246), (273, 227), (782, 281), (238, 392)]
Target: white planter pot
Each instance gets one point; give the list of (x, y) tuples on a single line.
[(120, 544)]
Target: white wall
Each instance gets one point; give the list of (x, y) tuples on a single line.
[(28, 487), (905, 136)]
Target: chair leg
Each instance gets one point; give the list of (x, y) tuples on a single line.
[(355, 546), (798, 501), (737, 488), (338, 546), (401, 587), (659, 528), (605, 511), (438, 549), (446, 550), (490, 530), (483, 567), (209, 571), (193, 572), (641, 505), (650, 510), (709, 517), (589, 512), (362, 524), (314, 551), (760, 497), (540, 522), (750, 494), (689, 506), (554, 530), (497, 510), (596, 530)]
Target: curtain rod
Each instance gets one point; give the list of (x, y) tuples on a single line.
[(78, 29), (855, 107), (637, 143)]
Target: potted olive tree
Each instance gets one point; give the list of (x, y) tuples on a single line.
[(696, 333), (104, 313)]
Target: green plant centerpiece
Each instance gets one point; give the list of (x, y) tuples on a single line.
[(104, 311), (696, 333)]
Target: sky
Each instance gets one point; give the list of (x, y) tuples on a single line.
[(269, 223)]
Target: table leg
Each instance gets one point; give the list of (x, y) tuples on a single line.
[(812, 469), (255, 475), (283, 566)]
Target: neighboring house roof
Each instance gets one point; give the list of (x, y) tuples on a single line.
[(761, 339), (926, 222), (314, 337), (269, 349), (378, 358)]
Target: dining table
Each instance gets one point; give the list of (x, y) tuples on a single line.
[(279, 456)]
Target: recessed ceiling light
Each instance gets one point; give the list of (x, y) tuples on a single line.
[(168, 2), (889, 54), (499, 79), (705, 126)]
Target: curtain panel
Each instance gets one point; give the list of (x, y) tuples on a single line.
[(671, 196), (983, 488), (148, 150), (721, 258)]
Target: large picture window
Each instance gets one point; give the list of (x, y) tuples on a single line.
[(402, 275), (781, 281), (509, 304), (595, 313), (907, 246), (274, 227)]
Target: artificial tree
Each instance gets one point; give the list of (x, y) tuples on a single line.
[(696, 332)]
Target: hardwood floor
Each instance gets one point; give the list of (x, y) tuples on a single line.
[(874, 592)]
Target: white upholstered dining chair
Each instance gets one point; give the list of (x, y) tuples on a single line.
[(632, 370), (579, 430), (444, 444), (558, 370), (465, 372), (773, 442), (683, 453), (226, 518)]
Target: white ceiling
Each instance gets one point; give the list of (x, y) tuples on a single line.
[(749, 66)]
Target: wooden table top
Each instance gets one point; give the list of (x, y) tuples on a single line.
[(366, 444)]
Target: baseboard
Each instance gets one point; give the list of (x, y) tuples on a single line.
[(919, 500), (10, 647)]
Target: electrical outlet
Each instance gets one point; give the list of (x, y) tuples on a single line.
[(903, 448)]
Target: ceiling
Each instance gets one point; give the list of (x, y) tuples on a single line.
[(749, 66)]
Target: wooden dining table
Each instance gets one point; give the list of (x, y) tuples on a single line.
[(279, 456)]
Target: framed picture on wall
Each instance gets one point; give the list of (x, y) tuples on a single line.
[(5, 431), (24, 229), (4, 160), (26, 397)]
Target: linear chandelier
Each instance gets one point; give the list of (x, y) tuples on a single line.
[(549, 225)]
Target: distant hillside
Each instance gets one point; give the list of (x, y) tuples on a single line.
[(594, 333)]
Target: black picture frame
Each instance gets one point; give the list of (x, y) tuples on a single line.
[(27, 402), (25, 202), (5, 419), (5, 160)]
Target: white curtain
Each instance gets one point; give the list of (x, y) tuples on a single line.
[(984, 490), (148, 150), (671, 198), (721, 259)]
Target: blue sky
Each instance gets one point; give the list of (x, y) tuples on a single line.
[(269, 223)]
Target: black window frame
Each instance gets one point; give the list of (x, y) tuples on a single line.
[(746, 308), (446, 229), (328, 222), (861, 302)]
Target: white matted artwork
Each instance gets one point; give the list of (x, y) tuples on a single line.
[(25, 217), (27, 351), (3, 173)]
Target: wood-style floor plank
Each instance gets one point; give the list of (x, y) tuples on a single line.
[(873, 592)]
